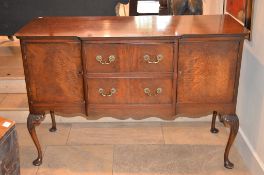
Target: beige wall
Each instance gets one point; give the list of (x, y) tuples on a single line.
[(250, 106)]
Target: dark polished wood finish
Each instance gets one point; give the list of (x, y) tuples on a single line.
[(53, 121), (233, 122), (132, 67), (33, 121), (213, 129), (132, 27)]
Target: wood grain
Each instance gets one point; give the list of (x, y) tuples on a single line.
[(129, 91), (138, 26), (207, 71), (121, 63), (198, 74), (59, 66), (138, 51), (137, 95), (128, 57)]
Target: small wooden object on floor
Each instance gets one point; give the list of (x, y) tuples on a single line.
[(9, 150)]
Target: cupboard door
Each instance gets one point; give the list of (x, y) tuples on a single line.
[(54, 72), (207, 71)]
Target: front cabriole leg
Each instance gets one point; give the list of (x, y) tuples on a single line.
[(233, 122), (33, 121)]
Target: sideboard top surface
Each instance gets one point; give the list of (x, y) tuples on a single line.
[(138, 26)]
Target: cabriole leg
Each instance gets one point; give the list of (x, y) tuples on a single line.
[(32, 122), (213, 128), (233, 122), (53, 128)]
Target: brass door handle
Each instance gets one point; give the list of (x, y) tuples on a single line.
[(148, 59), (111, 59), (102, 92), (147, 92)]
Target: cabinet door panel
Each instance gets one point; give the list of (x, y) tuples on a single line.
[(207, 71), (54, 72)]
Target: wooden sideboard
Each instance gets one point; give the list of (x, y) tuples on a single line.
[(133, 67)]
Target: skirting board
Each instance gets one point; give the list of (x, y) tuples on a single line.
[(249, 155)]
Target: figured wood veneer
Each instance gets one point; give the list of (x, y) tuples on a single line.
[(58, 65), (72, 63), (207, 71), (128, 57)]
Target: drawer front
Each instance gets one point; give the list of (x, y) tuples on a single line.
[(129, 91), (111, 58), (108, 91), (151, 57), (106, 58), (151, 91)]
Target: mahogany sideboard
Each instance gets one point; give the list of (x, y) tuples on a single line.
[(133, 67)]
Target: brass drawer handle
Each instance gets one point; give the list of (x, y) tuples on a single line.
[(147, 92), (111, 59), (148, 59), (102, 92)]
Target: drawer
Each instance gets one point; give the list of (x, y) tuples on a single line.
[(129, 91), (151, 57), (151, 91), (107, 58), (108, 91)]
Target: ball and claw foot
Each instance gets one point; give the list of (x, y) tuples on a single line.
[(37, 162), (228, 164)]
